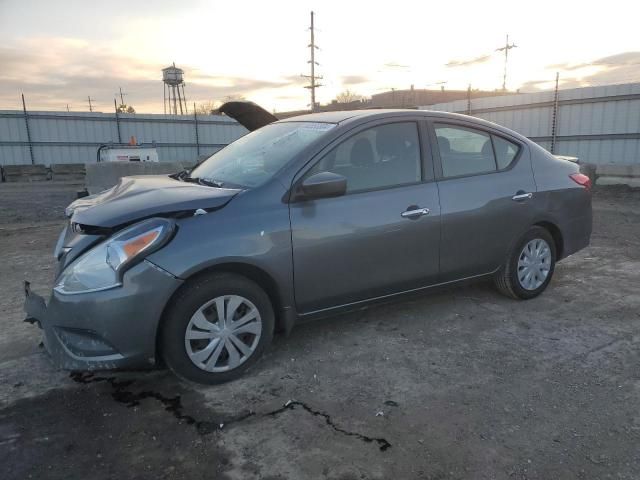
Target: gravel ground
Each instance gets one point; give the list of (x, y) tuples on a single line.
[(459, 384)]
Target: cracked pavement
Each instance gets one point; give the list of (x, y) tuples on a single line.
[(461, 383)]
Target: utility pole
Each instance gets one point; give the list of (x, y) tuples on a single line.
[(26, 124), (312, 78), (121, 96), (554, 119), (90, 106), (505, 49), (115, 106)]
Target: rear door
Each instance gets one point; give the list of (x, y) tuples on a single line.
[(486, 186), (383, 235)]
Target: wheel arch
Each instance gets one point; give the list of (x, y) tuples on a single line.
[(556, 234), (284, 317)]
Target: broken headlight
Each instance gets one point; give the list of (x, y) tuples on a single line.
[(102, 267)]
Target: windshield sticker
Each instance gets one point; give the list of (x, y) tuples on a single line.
[(317, 126)]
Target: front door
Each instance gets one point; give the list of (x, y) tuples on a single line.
[(383, 235)]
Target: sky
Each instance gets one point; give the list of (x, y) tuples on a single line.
[(58, 52)]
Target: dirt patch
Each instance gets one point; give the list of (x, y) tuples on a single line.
[(463, 383), (101, 431)]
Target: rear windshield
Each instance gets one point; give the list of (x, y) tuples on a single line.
[(256, 157)]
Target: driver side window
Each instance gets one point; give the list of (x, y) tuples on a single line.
[(379, 157)]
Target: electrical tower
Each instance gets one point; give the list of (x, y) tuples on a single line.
[(505, 49), (90, 105), (313, 78)]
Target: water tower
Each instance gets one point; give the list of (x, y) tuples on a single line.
[(173, 79)]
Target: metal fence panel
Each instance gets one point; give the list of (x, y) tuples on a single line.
[(596, 124), (74, 137)]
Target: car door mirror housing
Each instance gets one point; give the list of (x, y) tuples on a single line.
[(321, 185)]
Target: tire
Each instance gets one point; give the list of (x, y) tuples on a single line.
[(189, 342), (507, 278)]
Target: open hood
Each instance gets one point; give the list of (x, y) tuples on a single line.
[(247, 114), (139, 197)]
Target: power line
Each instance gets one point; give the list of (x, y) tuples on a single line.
[(484, 58), (313, 77), (442, 84), (462, 63)]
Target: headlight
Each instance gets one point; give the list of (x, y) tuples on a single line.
[(102, 267)]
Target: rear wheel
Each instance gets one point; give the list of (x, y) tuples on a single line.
[(529, 266), (217, 328)]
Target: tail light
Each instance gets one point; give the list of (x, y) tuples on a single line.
[(581, 179)]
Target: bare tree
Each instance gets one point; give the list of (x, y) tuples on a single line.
[(210, 106), (234, 97), (348, 96), (123, 108), (207, 108)]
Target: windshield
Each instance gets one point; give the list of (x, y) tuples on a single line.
[(254, 158)]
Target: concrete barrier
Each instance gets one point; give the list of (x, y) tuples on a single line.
[(67, 171), (611, 174), (100, 176), (614, 170), (25, 173)]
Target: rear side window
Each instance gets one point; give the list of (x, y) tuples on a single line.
[(506, 151), (466, 151)]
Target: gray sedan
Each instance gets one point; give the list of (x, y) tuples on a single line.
[(299, 219)]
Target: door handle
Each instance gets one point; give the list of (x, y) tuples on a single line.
[(522, 196), (415, 213)]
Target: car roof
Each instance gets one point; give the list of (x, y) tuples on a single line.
[(344, 116)]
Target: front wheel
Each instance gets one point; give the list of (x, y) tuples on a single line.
[(217, 327), (529, 267)]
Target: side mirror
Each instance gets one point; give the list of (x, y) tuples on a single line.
[(322, 185)]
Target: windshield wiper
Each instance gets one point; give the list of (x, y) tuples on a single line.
[(203, 181), (181, 174), (210, 182)]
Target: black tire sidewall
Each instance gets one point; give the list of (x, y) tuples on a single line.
[(192, 296), (531, 234)]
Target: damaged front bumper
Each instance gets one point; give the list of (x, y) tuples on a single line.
[(109, 329)]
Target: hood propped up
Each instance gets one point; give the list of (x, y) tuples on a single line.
[(139, 197), (248, 114)]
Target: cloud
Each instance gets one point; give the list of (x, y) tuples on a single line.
[(68, 70), (619, 68), (613, 61), (396, 65), (473, 61), (354, 79), (536, 85)]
